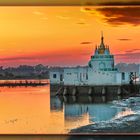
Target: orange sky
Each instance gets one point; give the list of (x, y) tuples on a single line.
[(66, 36)]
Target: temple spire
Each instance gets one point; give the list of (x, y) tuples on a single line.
[(102, 46), (102, 37)]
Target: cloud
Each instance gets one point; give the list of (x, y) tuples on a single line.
[(38, 13), (63, 17), (82, 23), (130, 56), (124, 39), (86, 42), (119, 3), (120, 15), (44, 18), (85, 54), (33, 57), (87, 10), (18, 58), (132, 50), (116, 15)]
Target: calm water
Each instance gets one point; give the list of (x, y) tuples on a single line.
[(31, 110)]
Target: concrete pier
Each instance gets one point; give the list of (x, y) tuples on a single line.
[(90, 91), (74, 91), (68, 90), (103, 91), (59, 91), (65, 92), (119, 91)]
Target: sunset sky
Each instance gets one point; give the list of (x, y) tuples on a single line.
[(66, 36)]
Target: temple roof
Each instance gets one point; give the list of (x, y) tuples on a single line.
[(102, 49)]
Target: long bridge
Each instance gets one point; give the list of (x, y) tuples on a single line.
[(14, 83)]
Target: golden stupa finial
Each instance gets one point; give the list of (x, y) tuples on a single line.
[(102, 46)]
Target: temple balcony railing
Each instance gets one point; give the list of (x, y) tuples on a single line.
[(102, 56), (109, 69)]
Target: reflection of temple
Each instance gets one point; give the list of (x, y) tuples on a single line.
[(76, 121), (83, 112), (56, 104), (97, 112)]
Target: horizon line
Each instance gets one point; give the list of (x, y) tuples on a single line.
[(64, 66)]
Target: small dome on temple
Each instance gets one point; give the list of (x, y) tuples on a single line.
[(106, 52), (96, 50)]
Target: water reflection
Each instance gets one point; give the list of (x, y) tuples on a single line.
[(24, 110), (83, 110), (32, 110), (56, 104)]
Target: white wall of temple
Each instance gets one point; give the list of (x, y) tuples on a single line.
[(139, 73), (75, 76), (88, 76), (101, 77), (70, 76), (125, 77), (118, 78), (56, 77)]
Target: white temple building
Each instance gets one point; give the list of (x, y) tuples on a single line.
[(100, 71)]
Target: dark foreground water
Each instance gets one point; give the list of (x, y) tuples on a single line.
[(58, 137)]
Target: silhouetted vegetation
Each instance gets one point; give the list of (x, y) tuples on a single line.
[(25, 72), (42, 72)]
